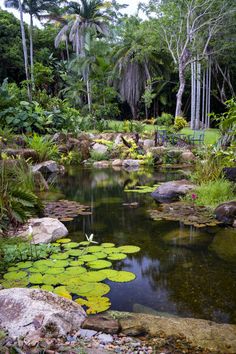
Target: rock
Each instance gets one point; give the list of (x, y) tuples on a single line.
[(226, 212), (158, 150), (59, 138), (22, 153), (45, 230), (118, 140), (101, 324), (187, 156), (131, 163), (25, 310), (200, 333), (117, 162), (138, 308), (234, 224), (40, 182), (148, 143), (84, 149), (101, 164), (189, 238), (105, 338), (230, 173), (47, 167), (100, 148), (224, 245), (172, 191), (87, 333)]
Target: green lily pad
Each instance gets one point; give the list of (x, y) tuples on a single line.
[(92, 249), (15, 275), (24, 265), (11, 269), (36, 278), (43, 262), (62, 291), (129, 249), (88, 258), (76, 263), (49, 279), (21, 283), (100, 255), (81, 289), (99, 264), (47, 288), (110, 250), (59, 263), (107, 244), (55, 271), (71, 245), (116, 256), (64, 240), (75, 253), (99, 289), (75, 270), (84, 243), (95, 304), (122, 276), (41, 269), (93, 276), (59, 255)]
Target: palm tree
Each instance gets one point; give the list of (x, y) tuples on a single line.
[(35, 8), (84, 20), (18, 4)]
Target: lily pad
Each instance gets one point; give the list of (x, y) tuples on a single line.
[(20, 283), (62, 291), (41, 269), (116, 256), (76, 263), (100, 255), (107, 244), (129, 249), (60, 263), (93, 276), (55, 271), (24, 265), (49, 279), (47, 287), (122, 276), (74, 270), (92, 249), (59, 255), (74, 253), (81, 289), (88, 258), (99, 264), (11, 269), (84, 243), (36, 278), (15, 275), (64, 240), (95, 304), (71, 245), (110, 250)]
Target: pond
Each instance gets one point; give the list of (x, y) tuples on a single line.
[(186, 278)]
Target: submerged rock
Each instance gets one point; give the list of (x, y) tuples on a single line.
[(45, 230), (24, 311), (224, 245), (187, 237), (172, 191), (139, 308), (101, 323), (226, 212), (47, 167)]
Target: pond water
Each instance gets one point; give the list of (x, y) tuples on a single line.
[(185, 278)]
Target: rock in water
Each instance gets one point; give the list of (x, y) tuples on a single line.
[(226, 212), (25, 310), (48, 167), (45, 230), (172, 191)]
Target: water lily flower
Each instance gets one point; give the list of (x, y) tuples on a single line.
[(90, 238)]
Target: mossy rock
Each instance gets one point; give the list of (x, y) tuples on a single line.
[(224, 245), (99, 264), (128, 249)]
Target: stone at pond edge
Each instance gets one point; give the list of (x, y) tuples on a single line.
[(20, 309), (226, 212), (45, 230), (224, 245), (101, 164), (230, 173), (47, 167), (101, 323), (100, 148), (172, 191)]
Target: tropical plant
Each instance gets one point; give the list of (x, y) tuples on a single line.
[(180, 123), (43, 145), (165, 119)]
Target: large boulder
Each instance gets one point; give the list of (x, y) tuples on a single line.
[(172, 191), (131, 164), (40, 182), (226, 212), (100, 148), (45, 230), (48, 167), (230, 173), (23, 311), (187, 156), (22, 153)]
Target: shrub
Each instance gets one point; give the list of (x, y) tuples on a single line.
[(213, 193), (44, 146), (180, 123), (165, 119), (98, 156)]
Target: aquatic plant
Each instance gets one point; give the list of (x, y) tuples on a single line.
[(73, 270)]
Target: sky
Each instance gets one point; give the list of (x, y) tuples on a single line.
[(130, 10)]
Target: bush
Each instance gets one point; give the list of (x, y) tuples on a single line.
[(180, 123), (98, 156), (165, 119), (44, 146), (213, 193)]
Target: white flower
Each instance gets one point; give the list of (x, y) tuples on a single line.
[(30, 230), (90, 238)]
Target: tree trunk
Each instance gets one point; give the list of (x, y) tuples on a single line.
[(198, 98), (193, 94), (179, 96), (24, 51), (203, 98), (31, 51), (67, 50)]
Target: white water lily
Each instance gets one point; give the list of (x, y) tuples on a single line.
[(90, 238)]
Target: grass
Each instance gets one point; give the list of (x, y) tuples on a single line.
[(211, 135), (213, 193)]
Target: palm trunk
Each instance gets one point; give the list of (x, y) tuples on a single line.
[(24, 51), (198, 98), (31, 51), (179, 96), (203, 98), (193, 94), (67, 50)]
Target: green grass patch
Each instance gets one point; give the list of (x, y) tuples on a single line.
[(211, 135), (213, 193)]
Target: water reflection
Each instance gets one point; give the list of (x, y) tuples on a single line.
[(176, 272)]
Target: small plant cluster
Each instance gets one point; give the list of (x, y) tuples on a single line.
[(180, 123)]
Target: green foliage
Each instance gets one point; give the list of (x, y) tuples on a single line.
[(213, 193), (98, 156), (43, 75), (71, 158), (165, 119), (44, 146), (180, 123), (227, 123)]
